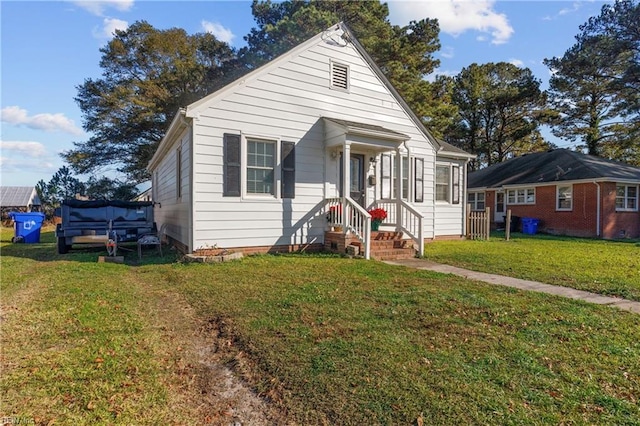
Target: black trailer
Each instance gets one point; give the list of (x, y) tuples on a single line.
[(103, 221)]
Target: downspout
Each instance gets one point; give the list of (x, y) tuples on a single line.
[(192, 191), (464, 194), (597, 209)]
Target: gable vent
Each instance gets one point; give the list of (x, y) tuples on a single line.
[(339, 76)]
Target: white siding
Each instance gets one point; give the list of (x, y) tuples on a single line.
[(284, 101), (170, 210)]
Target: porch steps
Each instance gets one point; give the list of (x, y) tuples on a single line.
[(390, 246)]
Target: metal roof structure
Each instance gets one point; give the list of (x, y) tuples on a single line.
[(18, 196)]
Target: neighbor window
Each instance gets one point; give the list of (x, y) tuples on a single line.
[(564, 197), (521, 196), (261, 160), (476, 199), (627, 197)]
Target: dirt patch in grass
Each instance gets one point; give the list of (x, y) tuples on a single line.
[(205, 358)]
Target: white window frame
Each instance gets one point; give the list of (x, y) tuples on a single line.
[(476, 201), (626, 198), (454, 183), (521, 196), (567, 197), (246, 139)]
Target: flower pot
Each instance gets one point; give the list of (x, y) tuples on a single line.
[(375, 225)]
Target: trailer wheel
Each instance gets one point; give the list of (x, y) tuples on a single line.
[(63, 248)]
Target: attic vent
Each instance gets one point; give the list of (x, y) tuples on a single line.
[(339, 76)]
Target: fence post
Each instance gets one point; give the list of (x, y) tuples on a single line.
[(507, 225), (487, 222), (468, 218)]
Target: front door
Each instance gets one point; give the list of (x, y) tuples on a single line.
[(499, 212), (356, 186)]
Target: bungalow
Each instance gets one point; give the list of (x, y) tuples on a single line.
[(569, 192), (295, 154)]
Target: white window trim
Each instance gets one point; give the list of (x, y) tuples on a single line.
[(245, 164), (564, 209), (516, 203), (450, 186), (474, 204), (333, 63), (626, 197)]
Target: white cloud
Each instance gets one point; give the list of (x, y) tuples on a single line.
[(456, 16), (432, 77), (20, 157), (220, 32), (567, 10), (109, 27), (517, 62), (31, 149), (46, 121), (98, 7), (447, 52)]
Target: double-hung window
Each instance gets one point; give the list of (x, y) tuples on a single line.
[(261, 160), (626, 197), (564, 197), (477, 200), (521, 196), (448, 183), (258, 167), (389, 177)]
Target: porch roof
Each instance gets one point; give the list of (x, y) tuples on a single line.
[(372, 136)]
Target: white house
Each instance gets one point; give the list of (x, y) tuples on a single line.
[(258, 165)]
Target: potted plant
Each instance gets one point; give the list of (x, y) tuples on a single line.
[(377, 216)]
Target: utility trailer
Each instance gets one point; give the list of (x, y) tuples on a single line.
[(108, 222)]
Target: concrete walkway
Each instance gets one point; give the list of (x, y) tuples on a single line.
[(627, 305)]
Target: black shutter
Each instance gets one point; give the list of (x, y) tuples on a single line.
[(455, 199), (419, 180), (231, 179), (288, 155)]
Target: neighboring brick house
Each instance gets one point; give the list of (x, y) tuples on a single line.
[(569, 192)]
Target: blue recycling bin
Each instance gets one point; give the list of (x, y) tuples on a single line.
[(27, 226), (530, 225)]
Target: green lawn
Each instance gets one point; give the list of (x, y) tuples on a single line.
[(606, 267), (327, 340)]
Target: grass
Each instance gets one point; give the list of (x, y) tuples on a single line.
[(605, 267), (327, 340)]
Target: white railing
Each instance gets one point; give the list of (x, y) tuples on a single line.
[(410, 222), (352, 218)]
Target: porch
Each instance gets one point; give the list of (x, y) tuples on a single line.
[(371, 167)]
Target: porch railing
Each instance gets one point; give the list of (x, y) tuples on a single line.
[(410, 222), (352, 218)]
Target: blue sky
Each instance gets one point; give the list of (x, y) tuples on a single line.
[(50, 47)]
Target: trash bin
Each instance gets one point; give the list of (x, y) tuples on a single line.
[(27, 226), (529, 225), (515, 221)]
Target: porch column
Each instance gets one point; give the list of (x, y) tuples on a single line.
[(346, 179), (398, 190)]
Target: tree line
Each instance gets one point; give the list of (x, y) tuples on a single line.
[(494, 110)]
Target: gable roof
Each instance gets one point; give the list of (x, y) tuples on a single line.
[(18, 196), (193, 109), (558, 165)]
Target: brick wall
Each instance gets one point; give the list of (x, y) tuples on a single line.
[(617, 224), (581, 220)]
